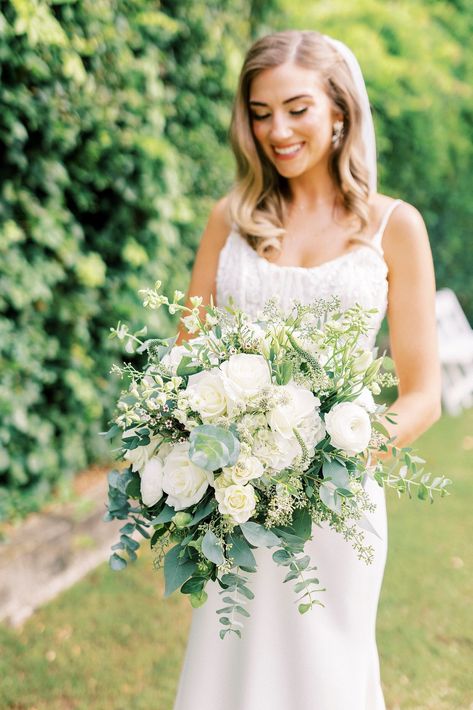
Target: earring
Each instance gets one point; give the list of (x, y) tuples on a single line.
[(337, 132)]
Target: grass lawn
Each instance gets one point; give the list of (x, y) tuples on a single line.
[(112, 643)]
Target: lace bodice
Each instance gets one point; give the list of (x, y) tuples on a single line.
[(359, 276)]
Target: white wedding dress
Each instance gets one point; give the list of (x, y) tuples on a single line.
[(327, 658)]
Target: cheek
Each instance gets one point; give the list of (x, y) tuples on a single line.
[(314, 125), (259, 130)]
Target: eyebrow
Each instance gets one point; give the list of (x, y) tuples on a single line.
[(293, 98)]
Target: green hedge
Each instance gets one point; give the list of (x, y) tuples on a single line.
[(114, 117)]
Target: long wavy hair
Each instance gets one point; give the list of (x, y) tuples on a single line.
[(256, 200)]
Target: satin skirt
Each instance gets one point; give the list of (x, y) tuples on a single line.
[(325, 659)]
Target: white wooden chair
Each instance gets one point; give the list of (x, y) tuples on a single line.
[(455, 337)]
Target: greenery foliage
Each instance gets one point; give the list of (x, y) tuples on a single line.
[(112, 130)]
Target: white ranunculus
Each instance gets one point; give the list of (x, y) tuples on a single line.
[(183, 481), (273, 450), (139, 456), (151, 481), (174, 357), (302, 403), (246, 469), (349, 427), (207, 394), (244, 375), (365, 400), (238, 501)]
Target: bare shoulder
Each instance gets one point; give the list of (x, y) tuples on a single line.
[(405, 236), (218, 224)]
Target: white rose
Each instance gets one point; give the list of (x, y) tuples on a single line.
[(174, 357), (183, 481), (365, 399), (139, 456), (207, 394), (221, 482), (151, 481), (246, 469), (238, 501), (349, 427), (243, 376), (302, 403), (273, 450)]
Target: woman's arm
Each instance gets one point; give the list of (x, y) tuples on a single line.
[(412, 325), (204, 271)]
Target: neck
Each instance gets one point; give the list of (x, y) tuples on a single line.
[(312, 190)]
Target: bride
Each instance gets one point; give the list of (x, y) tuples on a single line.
[(304, 220)]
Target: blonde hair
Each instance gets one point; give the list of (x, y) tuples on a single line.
[(256, 201)]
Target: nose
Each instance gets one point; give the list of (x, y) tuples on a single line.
[(280, 130)]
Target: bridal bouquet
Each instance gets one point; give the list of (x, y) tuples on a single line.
[(244, 437)]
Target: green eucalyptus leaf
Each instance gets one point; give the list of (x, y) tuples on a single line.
[(329, 497), (211, 548), (165, 516), (258, 535), (337, 473), (212, 447), (117, 562), (198, 598), (241, 551), (177, 570)]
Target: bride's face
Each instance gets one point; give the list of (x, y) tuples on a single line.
[(290, 111)]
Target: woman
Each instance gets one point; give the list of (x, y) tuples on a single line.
[(304, 220)]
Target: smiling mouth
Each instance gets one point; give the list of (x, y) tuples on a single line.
[(288, 151)]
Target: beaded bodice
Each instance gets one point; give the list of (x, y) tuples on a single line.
[(358, 276)]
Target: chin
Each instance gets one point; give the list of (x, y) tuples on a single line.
[(289, 171)]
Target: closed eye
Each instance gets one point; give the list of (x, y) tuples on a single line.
[(293, 113)]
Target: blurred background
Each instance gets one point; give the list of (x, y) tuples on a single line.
[(113, 144)]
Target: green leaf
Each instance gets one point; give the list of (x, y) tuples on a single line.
[(304, 607), (241, 551), (176, 570), (304, 584), (133, 488), (337, 473), (377, 426), (212, 447), (116, 562), (302, 523), (423, 492), (128, 529), (185, 368), (282, 557), (246, 592), (211, 549), (258, 535), (198, 599), (329, 497), (113, 431), (165, 516), (284, 373), (203, 512)]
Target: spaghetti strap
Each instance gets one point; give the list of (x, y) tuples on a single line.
[(377, 238)]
